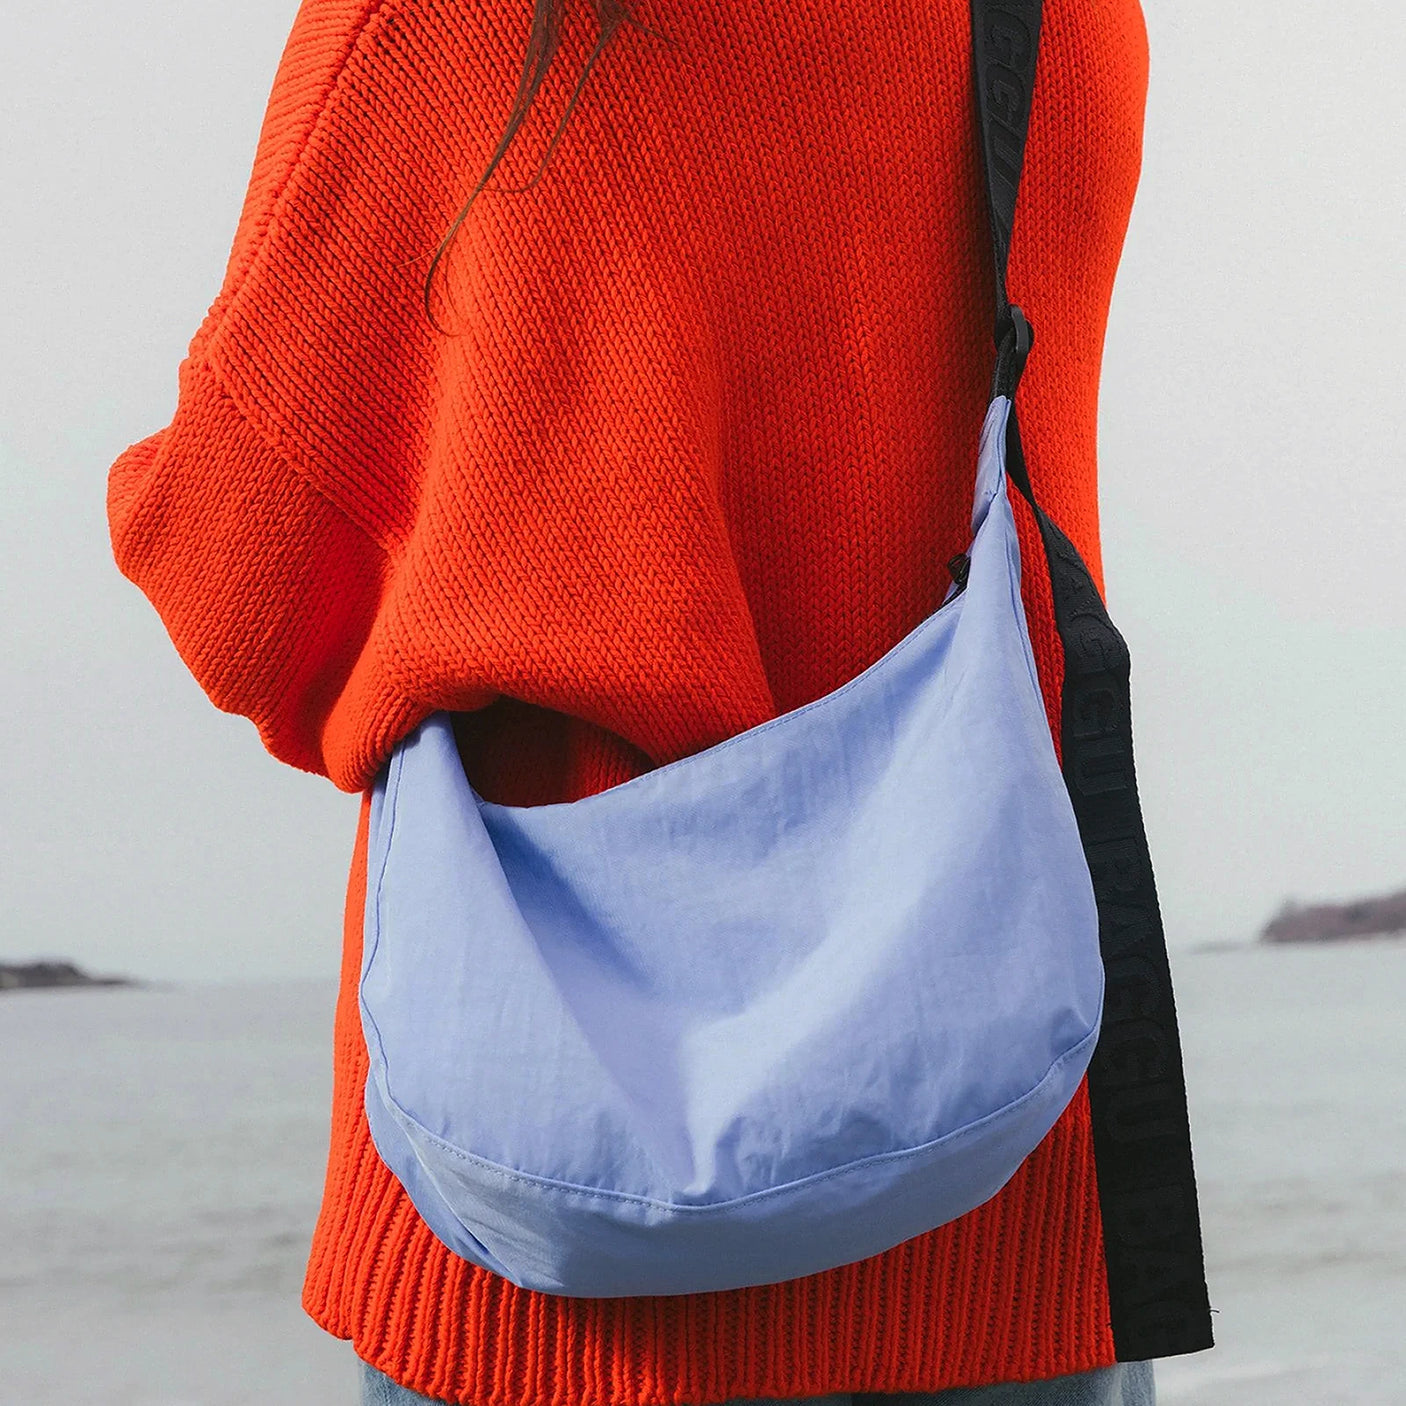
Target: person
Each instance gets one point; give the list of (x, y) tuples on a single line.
[(668, 430)]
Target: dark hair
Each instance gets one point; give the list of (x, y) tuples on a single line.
[(542, 44)]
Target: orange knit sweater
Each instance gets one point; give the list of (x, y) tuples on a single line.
[(697, 457)]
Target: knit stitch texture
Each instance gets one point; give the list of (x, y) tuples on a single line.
[(697, 456)]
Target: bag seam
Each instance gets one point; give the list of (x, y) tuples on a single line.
[(733, 1203)]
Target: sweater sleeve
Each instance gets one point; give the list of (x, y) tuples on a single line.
[(267, 590)]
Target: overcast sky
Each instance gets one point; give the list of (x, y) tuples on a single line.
[(1252, 444)]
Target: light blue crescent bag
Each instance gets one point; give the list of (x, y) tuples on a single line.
[(784, 1003), (768, 1009)]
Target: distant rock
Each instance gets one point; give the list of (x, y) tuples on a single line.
[(1334, 922), (26, 976)]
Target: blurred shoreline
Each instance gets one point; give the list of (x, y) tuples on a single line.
[(50, 974)]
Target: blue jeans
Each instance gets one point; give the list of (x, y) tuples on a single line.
[(1127, 1384)]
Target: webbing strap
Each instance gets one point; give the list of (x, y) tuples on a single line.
[(1137, 1092), (1005, 45)]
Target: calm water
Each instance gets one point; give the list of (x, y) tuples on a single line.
[(161, 1155)]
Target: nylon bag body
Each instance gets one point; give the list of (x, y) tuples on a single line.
[(768, 1009)]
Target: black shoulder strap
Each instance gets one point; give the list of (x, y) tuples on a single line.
[(1137, 1093), (1005, 45)]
